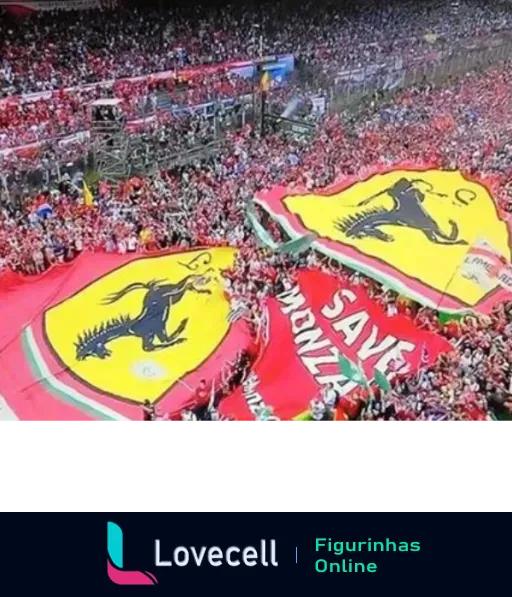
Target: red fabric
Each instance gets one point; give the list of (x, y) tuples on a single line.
[(23, 302), (281, 377), (19, 10)]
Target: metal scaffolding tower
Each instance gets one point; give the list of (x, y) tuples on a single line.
[(110, 142)]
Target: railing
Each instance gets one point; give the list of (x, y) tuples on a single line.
[(167, 161), (14, 186), (352, 87), (348, 93)]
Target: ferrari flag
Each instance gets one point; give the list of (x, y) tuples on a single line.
[(310, 326), (411, 229), (484, 266), (98, 337)]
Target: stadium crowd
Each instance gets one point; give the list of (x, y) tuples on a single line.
[(47, 53), (463, 124), (67, 112), (81, 55)]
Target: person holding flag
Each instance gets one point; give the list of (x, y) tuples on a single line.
[(355, 373)]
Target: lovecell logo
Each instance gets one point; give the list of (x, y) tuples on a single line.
[(115, 569), (263, 555)]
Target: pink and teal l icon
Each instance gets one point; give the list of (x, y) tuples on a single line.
[(115, 561)]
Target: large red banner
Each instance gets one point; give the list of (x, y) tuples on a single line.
[(96, 338), (309, 326)]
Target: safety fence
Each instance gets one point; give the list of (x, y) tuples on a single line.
[(351, 87), (350, 91)]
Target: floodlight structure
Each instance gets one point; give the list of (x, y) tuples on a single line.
[(109, 139)]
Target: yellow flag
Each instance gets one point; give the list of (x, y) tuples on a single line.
[(411, 229), (88, 198), (139, 329), (145, 235), (265, 82)]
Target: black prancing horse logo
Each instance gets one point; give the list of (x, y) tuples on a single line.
[(407, 211)]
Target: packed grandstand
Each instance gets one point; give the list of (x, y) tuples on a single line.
[(266, 211)]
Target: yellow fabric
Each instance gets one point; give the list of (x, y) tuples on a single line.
[(145, 235), (88, 198), (265, 81), (130, 372), (467, 204)]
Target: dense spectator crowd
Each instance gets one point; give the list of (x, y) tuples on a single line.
[(464, 124), (66, 112), (45, 52), (52, 53)]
